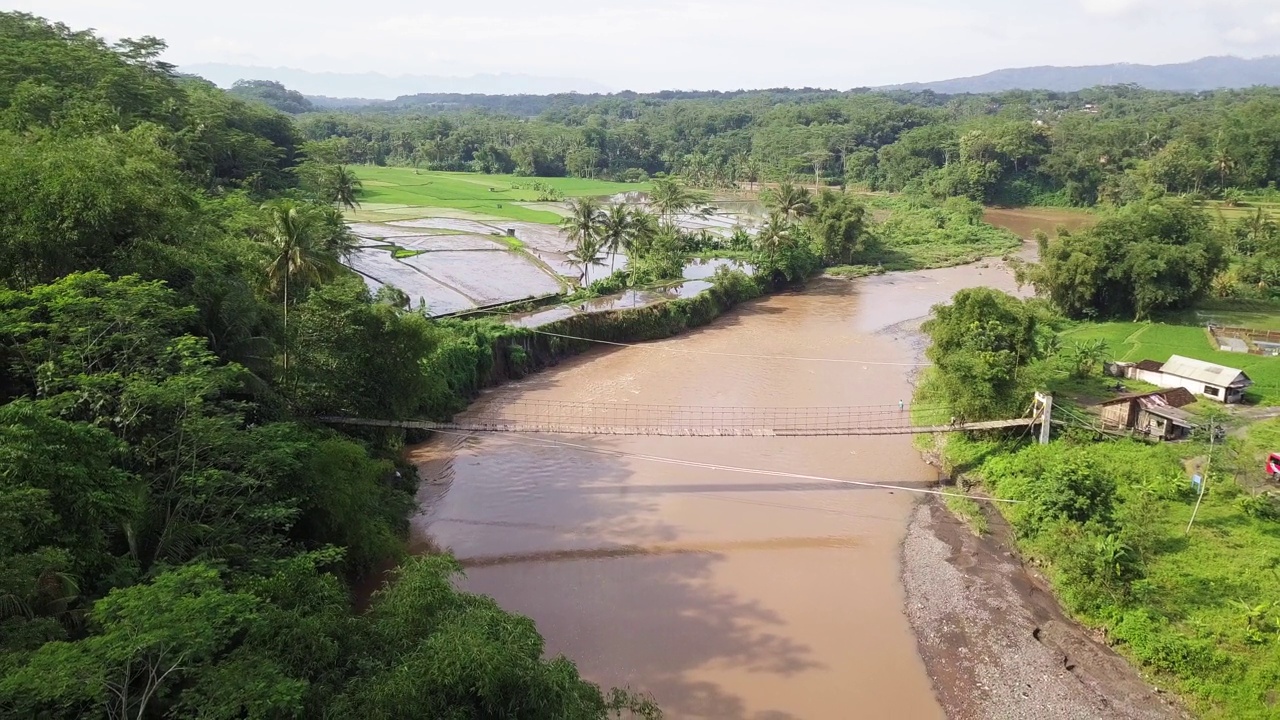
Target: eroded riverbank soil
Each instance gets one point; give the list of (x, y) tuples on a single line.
[(997, 644)]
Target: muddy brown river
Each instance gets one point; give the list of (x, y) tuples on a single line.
[(723, 595)]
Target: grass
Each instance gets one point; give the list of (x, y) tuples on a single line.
[(1252, 314), (968, 511), (397, 191), (1192, 619), (400, 253), (1158, 341)]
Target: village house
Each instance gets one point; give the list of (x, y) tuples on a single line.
[(1224, 384), (1154, 414)]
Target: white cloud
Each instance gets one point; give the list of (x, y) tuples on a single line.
[(1116, 8), (699, 43)]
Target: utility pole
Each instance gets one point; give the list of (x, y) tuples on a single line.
[(1204, 477)]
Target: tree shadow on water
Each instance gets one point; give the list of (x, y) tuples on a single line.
[(561, 536)]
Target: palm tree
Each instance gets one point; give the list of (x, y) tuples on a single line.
[(774, 236), (584, 219), (300, 255), (751, 171), (617, 226), (1223, 160), (672, 197), (644, 228), (344, 186), (586, 254), (791, 201)]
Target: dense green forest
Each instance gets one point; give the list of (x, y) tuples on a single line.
[(176, 540), (1106, 144)]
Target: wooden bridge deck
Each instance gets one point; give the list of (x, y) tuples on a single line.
[(900, 428)]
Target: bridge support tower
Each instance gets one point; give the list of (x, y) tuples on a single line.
[(1042, 413)]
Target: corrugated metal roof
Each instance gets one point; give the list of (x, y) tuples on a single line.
[(1173, 415), (1204, 372), (1173, 397)]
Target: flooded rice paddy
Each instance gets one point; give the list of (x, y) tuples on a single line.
[(451, 265)]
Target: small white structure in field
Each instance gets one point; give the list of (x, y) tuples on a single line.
[(1215, 382)]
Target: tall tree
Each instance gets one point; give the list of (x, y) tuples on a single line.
[(586, 254), (670, 197), (791, 201), (345, 186), (774, 237), (838, 227), (300, 255), (982, 343), (1147, 256), (617, 227), (585, 217)]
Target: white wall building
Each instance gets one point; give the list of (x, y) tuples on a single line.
[(1215, 382)]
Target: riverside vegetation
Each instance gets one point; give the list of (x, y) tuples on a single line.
[(173, 309), (1108, 520), (176, 538)]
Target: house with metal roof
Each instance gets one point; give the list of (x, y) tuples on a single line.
[(1215, 382)]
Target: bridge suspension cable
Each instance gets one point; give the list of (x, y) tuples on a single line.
[(620, 418), (549, 442)]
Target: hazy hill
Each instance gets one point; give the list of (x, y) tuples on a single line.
[(1209, 73), (385, 87), (529, 95)]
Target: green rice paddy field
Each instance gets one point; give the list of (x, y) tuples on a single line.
[(397, 193), (1157, 341)]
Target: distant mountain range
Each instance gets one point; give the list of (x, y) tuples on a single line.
[(330, 86), (1211, 73), (334, 90)]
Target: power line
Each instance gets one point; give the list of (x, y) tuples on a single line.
[(729, 468)]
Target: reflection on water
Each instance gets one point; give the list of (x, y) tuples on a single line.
[(695, 273), (703, 269)]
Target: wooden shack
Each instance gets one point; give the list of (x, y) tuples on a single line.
[(1154, 414)]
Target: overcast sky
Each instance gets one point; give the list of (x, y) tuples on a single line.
[(664, 44)]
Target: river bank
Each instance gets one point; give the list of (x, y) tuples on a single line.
[(993, 637), (727, 595), (995, 640)]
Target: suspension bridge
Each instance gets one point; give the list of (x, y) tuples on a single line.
[(620, 418)]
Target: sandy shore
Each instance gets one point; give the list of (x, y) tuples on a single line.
[(995, 641)]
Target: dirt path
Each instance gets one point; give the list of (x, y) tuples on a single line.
[(995, 641)]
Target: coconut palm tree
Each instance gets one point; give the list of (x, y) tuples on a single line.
[(586, 255), (774, 236), (1224, 162), (585, 216), (616, 229), (671, 197), (344, 186), (791, 201), (301, 255), (644, 228), (751, 171)]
